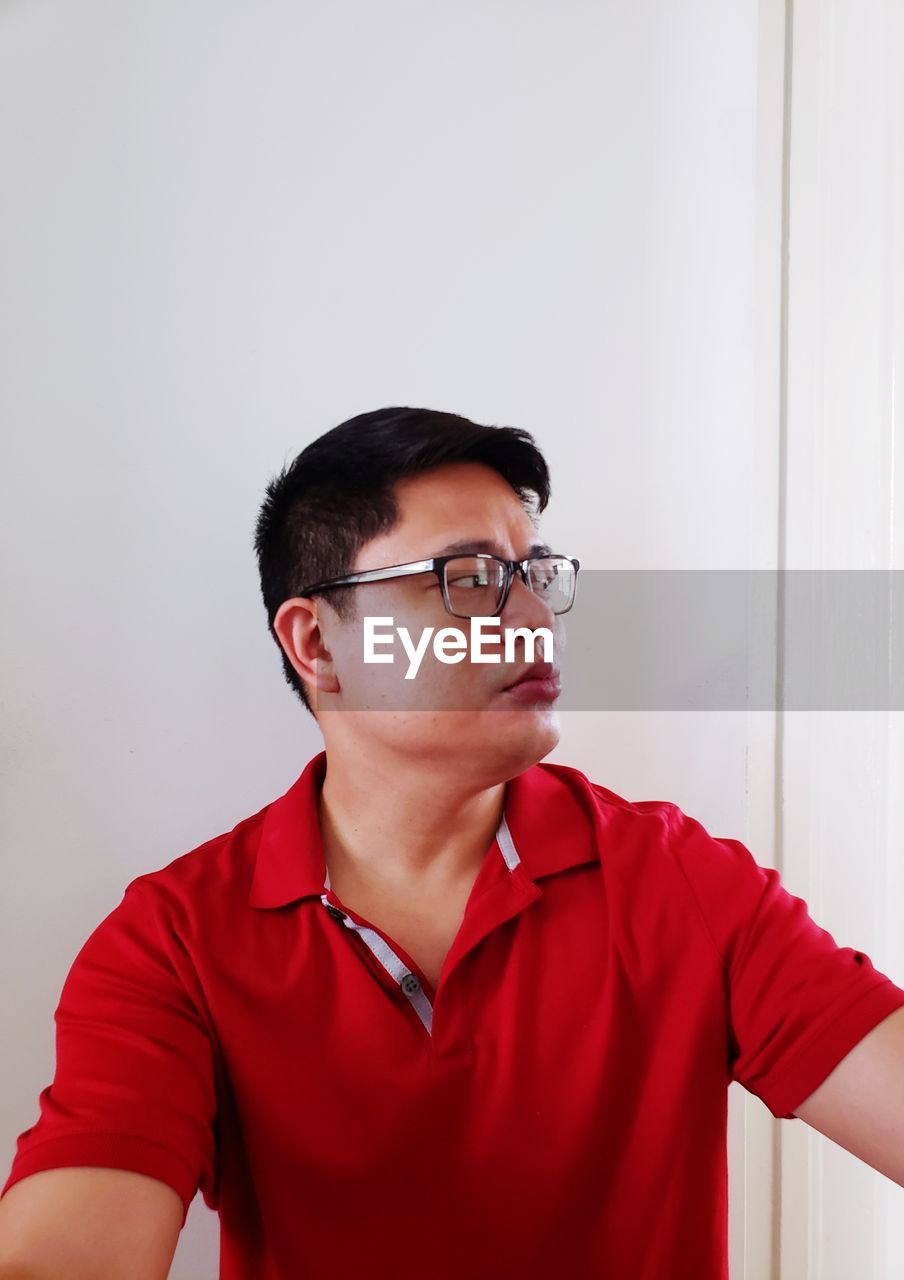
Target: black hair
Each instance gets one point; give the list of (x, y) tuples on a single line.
[(337, 495)]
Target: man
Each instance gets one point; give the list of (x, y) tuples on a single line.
[(440, 1010)]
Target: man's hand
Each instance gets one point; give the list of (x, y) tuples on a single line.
[(860, 1105)]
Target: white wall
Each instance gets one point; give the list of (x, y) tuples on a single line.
[(226, 227)]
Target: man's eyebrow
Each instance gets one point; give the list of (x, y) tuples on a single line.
[(490, 546)]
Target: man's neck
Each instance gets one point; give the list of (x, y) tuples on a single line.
[(400, 829)]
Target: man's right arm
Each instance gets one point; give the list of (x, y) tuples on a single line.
[(101, 1182), (88, 1224)]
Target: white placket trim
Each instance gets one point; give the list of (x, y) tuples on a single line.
[(394, 965)]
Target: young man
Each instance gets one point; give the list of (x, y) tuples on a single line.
[(440, 1010)]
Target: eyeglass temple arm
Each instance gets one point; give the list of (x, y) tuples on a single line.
[(374, 575)]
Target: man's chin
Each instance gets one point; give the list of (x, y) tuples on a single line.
[(530, 730)]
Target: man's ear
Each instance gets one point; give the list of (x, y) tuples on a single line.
[(297, 627)]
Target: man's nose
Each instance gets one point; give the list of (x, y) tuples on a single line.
[(524, 608)]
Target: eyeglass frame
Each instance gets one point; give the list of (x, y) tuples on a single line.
[(437, 565)]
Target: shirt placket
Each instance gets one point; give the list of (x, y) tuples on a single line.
[(508, 893)]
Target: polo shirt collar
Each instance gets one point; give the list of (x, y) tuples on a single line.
[(548, 826)]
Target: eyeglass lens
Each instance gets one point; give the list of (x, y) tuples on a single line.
[(474, 584)]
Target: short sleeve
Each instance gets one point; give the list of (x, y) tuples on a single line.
[(134, 1085), (797, 1001)]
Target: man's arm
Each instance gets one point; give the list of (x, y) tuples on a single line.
[(125, 1135), (860, 1105), (88, 1224)]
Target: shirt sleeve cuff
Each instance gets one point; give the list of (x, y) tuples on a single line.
[(822, 1055)]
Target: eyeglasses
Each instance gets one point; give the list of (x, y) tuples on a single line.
[(477, 586)]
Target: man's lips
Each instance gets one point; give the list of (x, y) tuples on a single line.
[(537, 683)]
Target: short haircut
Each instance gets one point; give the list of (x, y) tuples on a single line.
[(338, 494)]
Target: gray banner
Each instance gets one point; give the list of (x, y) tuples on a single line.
[(728, 640), (716, 640)]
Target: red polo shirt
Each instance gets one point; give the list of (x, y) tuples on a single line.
[(557, 1106)]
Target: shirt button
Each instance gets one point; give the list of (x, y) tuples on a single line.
[(410, 984), (335, 912)]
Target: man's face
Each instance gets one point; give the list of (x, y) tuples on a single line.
[(460, 715)]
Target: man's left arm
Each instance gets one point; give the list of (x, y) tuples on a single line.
[(860, 1104)]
